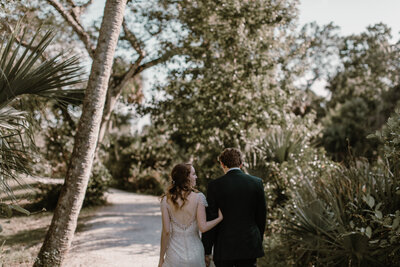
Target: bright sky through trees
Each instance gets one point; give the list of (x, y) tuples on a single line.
[(353, 16)]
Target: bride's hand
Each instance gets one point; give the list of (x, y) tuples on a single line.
[(220, 216)]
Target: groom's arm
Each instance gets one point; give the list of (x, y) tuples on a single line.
[(208, 238)]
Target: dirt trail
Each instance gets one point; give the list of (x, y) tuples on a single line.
[(125, 233)]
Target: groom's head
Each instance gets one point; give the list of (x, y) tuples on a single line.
[(230, 158)]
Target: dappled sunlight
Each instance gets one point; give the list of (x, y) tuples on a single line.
[(127, 230)]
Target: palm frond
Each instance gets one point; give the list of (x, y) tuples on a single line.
[(14, 154), (22, 70)]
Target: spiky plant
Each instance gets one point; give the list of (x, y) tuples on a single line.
[(24, 71), (350, 219)]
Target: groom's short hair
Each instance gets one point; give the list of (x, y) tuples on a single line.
[(231, 157)]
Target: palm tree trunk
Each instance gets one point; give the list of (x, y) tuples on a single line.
[(63, 225)]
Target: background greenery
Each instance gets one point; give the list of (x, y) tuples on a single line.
[(241, 76)]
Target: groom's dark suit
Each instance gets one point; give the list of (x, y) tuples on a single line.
[(242, 201)]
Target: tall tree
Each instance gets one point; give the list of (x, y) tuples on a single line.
[(227, 87), (364, 92), (142, 54), (63, 225), (145, 42)]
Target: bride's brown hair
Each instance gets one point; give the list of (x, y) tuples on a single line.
[(180, 187)]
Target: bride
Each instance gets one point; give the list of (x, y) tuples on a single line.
[(183, 215)]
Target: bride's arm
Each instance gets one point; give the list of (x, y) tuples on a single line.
[(165, 231), (204, 226)]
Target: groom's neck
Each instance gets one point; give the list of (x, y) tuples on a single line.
[(226, 169)]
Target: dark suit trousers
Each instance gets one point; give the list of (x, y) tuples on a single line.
[(236, 263)]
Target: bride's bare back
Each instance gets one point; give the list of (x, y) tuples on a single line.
[(186, 214)]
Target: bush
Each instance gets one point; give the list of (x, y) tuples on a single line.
[(147, 182), (149, 185), (389, 136), (283, 158), (99, 182), (346, 128), (350, 219), (46, 197), (349, 215), (142, 160)]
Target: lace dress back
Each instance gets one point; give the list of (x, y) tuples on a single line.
[(184, 248)]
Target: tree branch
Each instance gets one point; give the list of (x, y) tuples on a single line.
[(72, 20), (75, 10), (9, 29), (168, 55), (84, 6), (128, 75), (78, 10), (131, 38)]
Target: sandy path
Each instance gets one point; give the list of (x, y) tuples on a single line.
[(125, 233)]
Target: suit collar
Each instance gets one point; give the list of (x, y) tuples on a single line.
[(233, 170)]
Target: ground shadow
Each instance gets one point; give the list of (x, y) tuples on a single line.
[(32, 237), (123, 225)]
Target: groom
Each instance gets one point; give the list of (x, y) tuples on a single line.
[(237, 240)]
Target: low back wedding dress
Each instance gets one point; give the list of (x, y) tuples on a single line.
[(185, 248)]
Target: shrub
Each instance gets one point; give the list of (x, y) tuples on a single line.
[(349, 216), (350, 219), (283, 158), (389, 136), (347, 126), (144, 181), (149, 185), (99, 182)]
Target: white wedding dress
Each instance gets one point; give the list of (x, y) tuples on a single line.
[(185, 248)]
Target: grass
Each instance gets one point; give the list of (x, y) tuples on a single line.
[(22, 236)]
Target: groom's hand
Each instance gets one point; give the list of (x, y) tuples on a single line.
[(207, 259)]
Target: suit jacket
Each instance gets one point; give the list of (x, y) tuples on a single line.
[(241, 199)]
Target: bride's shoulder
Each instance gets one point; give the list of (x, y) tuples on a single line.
[(202, 198), (163, 200), (199, 194)]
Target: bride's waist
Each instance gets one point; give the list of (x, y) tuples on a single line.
[(178, 236)]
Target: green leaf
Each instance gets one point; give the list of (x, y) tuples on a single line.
[(378, 214), (368, 232), (395, 223), (23, 72), (369, 200)]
